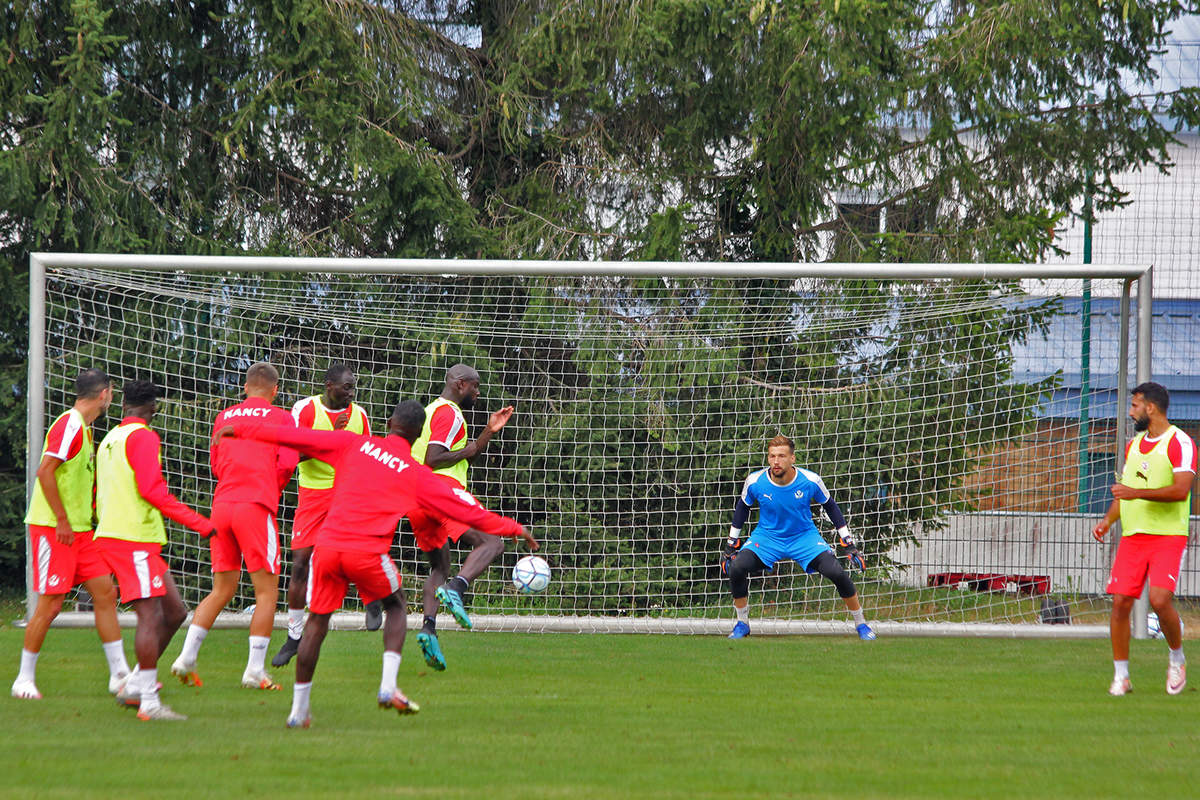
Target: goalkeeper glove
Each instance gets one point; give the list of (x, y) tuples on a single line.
[(852, 552), (729, 552)]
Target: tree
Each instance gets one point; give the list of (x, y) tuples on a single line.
[(884, 130)]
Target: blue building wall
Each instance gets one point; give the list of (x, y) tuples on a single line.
[(1175, 361)]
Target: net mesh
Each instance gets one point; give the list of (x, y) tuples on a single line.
[(932, 409)]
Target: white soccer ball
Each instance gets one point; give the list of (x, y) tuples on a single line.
[(1153, 627), (531, 574)]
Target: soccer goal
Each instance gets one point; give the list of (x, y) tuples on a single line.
[(967, 418)]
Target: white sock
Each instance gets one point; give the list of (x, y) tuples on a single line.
[(295, 623), (114, 651), (391, 666), (258, 653), (148, 678), (859, 617), (743, 613), (300, 693), (28, 666), (191, 643), (1121, 669), (1176, 656)]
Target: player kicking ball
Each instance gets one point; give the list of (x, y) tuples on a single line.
[(784, 495), (377, 482)]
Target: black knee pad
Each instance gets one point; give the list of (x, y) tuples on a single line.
[(740, 570), (831, 568)]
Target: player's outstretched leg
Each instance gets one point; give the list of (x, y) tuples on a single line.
[(315, 630), (395, 627), (266, 595), (485, 549), (828, 565), (47, 608)]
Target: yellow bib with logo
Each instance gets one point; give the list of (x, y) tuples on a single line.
[(1152, 470), (76, 479), (316, 474), (123, 512), (458, 470)]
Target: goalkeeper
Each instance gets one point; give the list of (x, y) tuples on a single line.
[(784, 495)]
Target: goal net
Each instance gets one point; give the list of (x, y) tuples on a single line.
[(963, 416)]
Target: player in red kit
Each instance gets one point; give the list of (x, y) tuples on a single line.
[(378, 482), (250, 476)]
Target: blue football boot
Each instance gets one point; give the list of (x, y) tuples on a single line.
[(740, 631), (431, 650), (864, 632), (454, 601)]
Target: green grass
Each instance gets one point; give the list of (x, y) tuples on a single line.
[(606, 716)]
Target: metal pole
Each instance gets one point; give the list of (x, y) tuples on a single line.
[(1085, 357), (35, 402), (656, 269), (1141, 607)]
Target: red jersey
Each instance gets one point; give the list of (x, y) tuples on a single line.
[(1181, 450), (142, 453), (249, 471), (377, 483)]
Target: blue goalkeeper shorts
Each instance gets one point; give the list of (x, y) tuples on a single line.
[(802, 549)]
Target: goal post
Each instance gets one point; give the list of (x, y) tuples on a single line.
[(934, 400)]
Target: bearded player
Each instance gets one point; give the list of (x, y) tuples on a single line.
[(378, 482), (784, 495), (1153, 501), (60, 531)]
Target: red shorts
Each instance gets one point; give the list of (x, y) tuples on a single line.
[(57, 566), (139, 568), (311, 507), (332, 571), (1146, 555), (244, 531), (433, 531)]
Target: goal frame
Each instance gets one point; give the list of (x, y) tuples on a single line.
[(1129, 275)]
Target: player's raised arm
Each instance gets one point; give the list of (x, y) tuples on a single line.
[(326, 446), (141, 450), (460, 505)]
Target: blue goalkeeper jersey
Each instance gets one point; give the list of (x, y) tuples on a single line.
[(785, 526)]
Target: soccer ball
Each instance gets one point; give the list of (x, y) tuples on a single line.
[(1154, 627), (531, 574)]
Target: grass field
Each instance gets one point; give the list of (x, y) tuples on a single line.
[(565, 716)]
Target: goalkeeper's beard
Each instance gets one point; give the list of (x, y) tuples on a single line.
[(1141, 423)]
